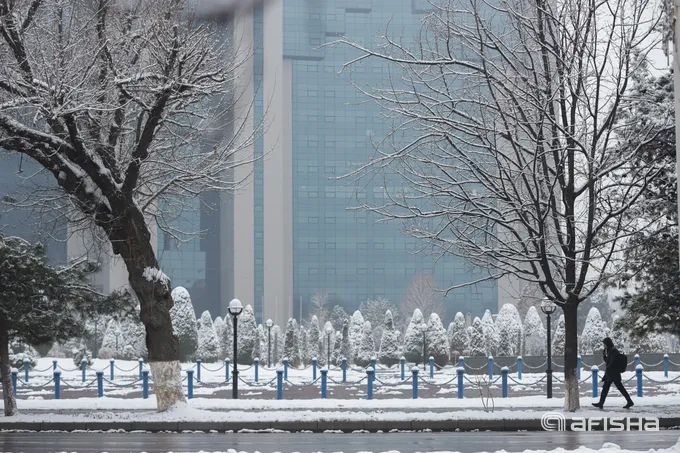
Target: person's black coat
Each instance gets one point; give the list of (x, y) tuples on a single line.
[(611, 374)]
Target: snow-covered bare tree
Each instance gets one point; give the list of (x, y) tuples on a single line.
[(507, 137), (126, 105), (422, 294), (321, 304)]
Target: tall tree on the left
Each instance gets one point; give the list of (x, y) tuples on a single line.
[(127, 105), (42, 303)]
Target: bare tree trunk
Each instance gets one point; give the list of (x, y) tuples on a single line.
[(153, 290), (571, 388), (5, 372)]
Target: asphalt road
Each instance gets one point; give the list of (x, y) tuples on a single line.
[(347, 443)]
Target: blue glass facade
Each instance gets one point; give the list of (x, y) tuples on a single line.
[(347, 253)]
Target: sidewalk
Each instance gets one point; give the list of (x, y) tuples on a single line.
[(206, 415)]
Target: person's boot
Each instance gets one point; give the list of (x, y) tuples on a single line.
[(599, 405), (629, 404)]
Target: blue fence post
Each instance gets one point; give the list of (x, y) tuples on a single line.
[(141, 368), (54, 365), (145, 384), (461, 362), (279, 384), (594, 370), (57, 385), (370, 372), (256, 365), (665, 367), (227, 362), (637, 360), (504, 382), (324, 382), (519, 367), (27, 366), (100, 384), (461, 372), (344, 370), (285, 369), (314, 362), (112, 366), (431, 367), (198, 370), (578, 367), (15, 374), (190, 384), (638, 373), (490, 368), (414, 372), (402, 362), (83, 369)]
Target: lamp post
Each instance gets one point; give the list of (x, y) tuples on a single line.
[(548, 307), (423, 329), (269, 343), (235, 309), (329, 332)]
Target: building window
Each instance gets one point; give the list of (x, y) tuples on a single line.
[(313, 271)]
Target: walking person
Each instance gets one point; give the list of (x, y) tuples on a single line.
[(615, 363)]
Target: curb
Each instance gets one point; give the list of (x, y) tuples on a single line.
[(302, 426)]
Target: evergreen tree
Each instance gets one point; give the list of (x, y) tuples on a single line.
[(346, 348), (338, 316), (594, 331), (305, 359), (389, 343), (652, 343), (227, 338), (337, 349), (219, 326), (355, 332), (449, 331), (651, 301), (459, 337), (208, 346), (291, 347), (184, 324), (558, 337), (535, 337), (260, 350), (477, 340), (618, 335), (246, 333), (437, 345), (509, 327), (111, 341), (413, 339), (42, 303), (373, 310), (277, 344), (491, 339), (133, 337), (366, 346), (313, 348)]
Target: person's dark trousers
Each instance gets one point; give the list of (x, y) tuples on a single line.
[(619, 386)]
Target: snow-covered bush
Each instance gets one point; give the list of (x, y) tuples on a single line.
[(305, 358), (534, 334), (246, 336), (559, 337), (509, 327), (218, 325), (437, 344), (594, 331), (314, 343), (652, 343), (80, 354), (477, 345), (491, 339), (132, 338), (57, 351), (356, 327), (260, 351), (208, 347), (413, 339), (459, 337), (18, 353), (110, 342), (389, 343), (346, 344), (366, 347), (291, 346), (184, 323), (226, 338), (619, 336)]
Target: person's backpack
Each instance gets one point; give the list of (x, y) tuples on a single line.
[(621, 362)]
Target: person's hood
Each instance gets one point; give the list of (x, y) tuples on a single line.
[(609, 344)]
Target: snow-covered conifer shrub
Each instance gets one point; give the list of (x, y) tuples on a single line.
[(477, 343), (208, 347), (366, 347), (535, 337), (246, 335), (509, 327), (413, 339), (389, 343), (594, 331), (459, 337), (437, 344), (184, 323)]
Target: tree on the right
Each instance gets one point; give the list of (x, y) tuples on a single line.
[(508, 152)]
